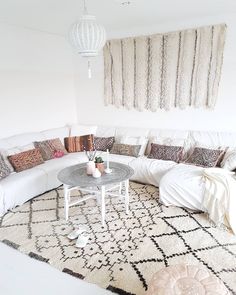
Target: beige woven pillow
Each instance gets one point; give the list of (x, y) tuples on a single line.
[(204, 157), (126, 149), (4, 168)]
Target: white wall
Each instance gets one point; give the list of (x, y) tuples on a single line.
[(36, 81), (89, 93)]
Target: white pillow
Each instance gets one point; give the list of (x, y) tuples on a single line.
[(79, 130), (135, 140), (229, 160)]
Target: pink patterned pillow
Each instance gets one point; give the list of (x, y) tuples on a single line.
[(166, 152), (58, 154), (48, 148)]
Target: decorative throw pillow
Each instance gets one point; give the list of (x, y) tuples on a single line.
[(103, 143), (205, 157), (135, 140), (4, 168), (166, 152), (26, 160), (13, 151), (126, 149), (79, 143), (229, 160), (168, 141), (49, 148)]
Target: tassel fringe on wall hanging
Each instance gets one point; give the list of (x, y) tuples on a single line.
[(165, 71)]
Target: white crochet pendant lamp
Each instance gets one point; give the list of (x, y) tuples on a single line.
[(87, 37)]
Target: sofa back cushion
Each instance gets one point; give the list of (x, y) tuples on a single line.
[(26, 160), (81, 130), (166, 152), (4, 168), (106, 131), (56, 133), (213, 139), (130, 131), (23, 139), (79, 143), (50, 148)]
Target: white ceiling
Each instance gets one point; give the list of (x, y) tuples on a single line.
[(55, 16)]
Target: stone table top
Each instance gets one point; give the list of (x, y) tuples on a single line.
[(76, 175)]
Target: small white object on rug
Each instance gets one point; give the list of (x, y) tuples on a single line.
[(82, 240), (76, 233)]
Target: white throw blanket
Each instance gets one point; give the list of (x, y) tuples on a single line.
[(220, 197)]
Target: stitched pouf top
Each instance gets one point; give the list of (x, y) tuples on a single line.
[(185, 280)]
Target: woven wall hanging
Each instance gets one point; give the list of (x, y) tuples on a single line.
[(165, 71)]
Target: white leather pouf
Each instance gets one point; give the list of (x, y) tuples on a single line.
[(185, 280)]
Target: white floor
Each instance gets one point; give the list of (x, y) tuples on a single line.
[(22, 275)]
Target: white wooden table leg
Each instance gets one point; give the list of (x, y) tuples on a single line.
[(98, 197), (127, 196), (120, 189), (103, 204), (66, 201)]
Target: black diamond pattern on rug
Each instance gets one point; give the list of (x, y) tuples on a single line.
[(122, 255)]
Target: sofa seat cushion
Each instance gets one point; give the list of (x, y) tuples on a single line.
[(150, 171), (20, 187), (52, 167), (183, 186), (79, 157)]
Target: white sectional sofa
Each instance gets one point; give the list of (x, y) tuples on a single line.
[(176, 181)]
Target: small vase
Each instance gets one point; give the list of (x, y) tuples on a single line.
[(96, 173), (90, 167), (100, 167)]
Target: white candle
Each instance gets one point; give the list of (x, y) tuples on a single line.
[(107, 159)]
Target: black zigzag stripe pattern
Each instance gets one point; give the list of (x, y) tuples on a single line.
[(122, 255)]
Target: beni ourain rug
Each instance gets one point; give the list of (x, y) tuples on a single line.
[(123, 255)]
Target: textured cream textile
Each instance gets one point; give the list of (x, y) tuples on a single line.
[(185, 279), (219, 198), (177, 69)]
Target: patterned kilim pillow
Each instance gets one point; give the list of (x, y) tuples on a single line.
[(205, 157), (4, 168), (79, 143), (166, 152), (50, 148), (103, 143), (126, 149), (26, 160)]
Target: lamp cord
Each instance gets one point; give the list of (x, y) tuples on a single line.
[(85, 8)]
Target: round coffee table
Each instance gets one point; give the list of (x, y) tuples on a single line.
[(75, 177)]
